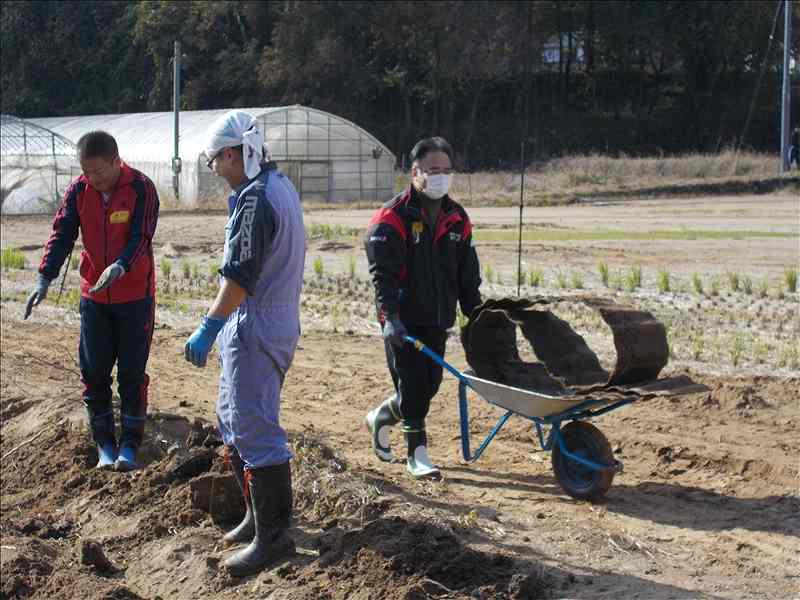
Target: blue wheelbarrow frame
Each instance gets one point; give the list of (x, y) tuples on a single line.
[(579, 409)]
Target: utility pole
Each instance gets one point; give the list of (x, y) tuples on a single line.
[(176, 107), (787, 90)]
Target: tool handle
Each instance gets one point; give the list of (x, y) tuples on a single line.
[(419, 345)]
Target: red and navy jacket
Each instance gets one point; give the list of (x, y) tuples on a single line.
[(121, 231), (419, 272)]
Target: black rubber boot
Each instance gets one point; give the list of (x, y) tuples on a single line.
[(245, 531), (270, 491), (379, 421), (418, 464)]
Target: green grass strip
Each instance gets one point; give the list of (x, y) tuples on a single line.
[(567, 235)]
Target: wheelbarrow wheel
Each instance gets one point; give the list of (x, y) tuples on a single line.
[(579, 481)]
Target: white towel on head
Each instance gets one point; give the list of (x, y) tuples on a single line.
[(238, 128)]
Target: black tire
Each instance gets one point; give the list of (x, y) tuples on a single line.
[(579, 481)]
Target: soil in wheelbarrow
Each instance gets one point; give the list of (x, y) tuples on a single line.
[(567, 363)]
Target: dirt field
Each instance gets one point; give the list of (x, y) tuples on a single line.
[(707, 506)]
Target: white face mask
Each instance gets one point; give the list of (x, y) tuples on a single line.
[(437, 186)]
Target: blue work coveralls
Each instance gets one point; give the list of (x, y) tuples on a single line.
[(265, 254)]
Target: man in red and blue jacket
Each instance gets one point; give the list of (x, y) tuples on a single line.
[(422, 261), (115, 207)]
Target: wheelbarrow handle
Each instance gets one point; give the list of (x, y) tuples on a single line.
[(420, 346)]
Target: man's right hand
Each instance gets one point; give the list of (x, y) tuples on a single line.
[(394, 331), (38, 294)]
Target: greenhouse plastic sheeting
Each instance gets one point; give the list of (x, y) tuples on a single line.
[(328, 158), (37, 166)]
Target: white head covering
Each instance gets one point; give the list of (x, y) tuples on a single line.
[(238, 128)]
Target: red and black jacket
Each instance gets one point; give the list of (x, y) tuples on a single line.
[(122, 231), (419, 272)]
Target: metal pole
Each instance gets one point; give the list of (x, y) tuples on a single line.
[(787, 92), (521, 203), (740, 140), (55, 170), (176, 99)]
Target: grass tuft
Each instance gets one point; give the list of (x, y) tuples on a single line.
[(790, 277), (319, 269), (488, 272), (634, 278), (602, 268), (714, 288), (697, 283), (166, 267), (12, 258), (663, 281), (698, 345), (737, 349), (733, 280), (747, 285), (536, 277)]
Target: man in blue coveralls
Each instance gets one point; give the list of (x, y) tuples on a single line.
[(257, 317)]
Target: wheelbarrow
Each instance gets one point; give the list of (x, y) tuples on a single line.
[(581, 456)]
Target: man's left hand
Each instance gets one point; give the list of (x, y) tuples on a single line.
[(113, 272)]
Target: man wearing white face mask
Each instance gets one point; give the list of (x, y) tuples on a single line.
[(422, 260)]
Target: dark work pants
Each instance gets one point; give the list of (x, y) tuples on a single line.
[(118, 333), (416, 377)]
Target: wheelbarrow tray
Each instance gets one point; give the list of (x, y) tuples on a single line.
[(534, 404)]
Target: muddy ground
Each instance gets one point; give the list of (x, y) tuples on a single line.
[(706, 507)]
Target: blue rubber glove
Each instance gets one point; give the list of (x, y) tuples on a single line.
[(38, 294), (394, 331), (199, 344), (111, 273)]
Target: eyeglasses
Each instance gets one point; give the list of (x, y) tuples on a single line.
[(210, 163)]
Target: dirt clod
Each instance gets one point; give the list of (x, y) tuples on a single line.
[(92, 555)]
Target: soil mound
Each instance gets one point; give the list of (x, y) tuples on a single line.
[(403, 559), (71, 531)]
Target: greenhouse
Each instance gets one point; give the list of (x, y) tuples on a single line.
[(328, 158), (36, 167)]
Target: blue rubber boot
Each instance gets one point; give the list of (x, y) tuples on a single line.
[(102, 426), (126, 461), (130, 439), (106, 454)]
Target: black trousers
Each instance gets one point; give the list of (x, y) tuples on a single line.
[(116, 333), (416, 377)]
